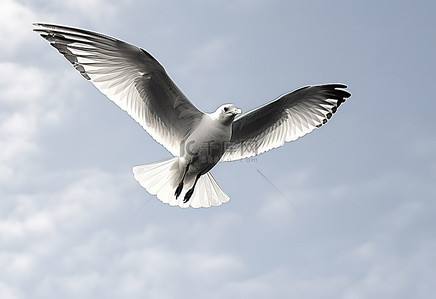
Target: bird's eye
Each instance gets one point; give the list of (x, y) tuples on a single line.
[(226, 109)]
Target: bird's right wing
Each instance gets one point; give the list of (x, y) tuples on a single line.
[(131, 78), (285, 119)]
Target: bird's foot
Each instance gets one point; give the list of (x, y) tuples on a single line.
[(188, 195), (179, 190)]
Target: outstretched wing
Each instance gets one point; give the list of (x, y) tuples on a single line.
[(287, 118), (131, 78)]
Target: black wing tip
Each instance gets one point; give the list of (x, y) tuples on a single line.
[(339, 87), (337, 92), (336, 89)]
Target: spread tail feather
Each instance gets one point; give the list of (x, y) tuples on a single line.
[(161, 179)]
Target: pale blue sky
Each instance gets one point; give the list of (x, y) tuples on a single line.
[(357, 216)]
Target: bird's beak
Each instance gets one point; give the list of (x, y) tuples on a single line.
[(237, 111)]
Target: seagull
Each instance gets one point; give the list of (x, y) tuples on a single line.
[(136, 82)]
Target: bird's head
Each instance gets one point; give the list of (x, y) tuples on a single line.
[(226, 113)]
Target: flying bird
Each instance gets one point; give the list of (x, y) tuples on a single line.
[(136, 82)]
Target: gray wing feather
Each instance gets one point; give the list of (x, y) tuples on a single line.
[(285, 119), (131, 78)]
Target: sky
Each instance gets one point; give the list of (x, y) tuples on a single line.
[(347, 211)]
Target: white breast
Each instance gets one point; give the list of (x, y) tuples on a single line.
[(206, 144)]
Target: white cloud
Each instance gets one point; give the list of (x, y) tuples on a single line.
[(28, 101), (284, 283), (15, 25), (388, 274), (7, 292), (95, 10), (68, 243), (75, 234), (23, 85), (365, 229), (16, 19)]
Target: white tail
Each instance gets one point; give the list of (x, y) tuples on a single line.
[(161, 179)]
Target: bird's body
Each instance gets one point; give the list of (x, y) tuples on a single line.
[(204, 148), (138, 84)]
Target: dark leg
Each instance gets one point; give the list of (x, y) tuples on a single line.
[(190, 191), (180, 186)]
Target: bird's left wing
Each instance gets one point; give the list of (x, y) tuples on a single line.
[(285, 119), (131, 78)]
